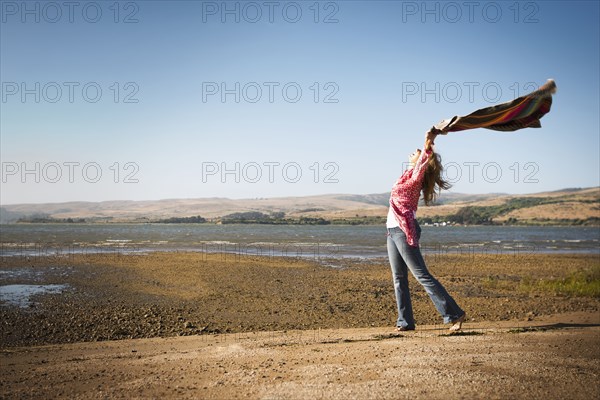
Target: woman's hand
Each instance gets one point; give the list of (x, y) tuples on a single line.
[(430, 137), (432, 133)]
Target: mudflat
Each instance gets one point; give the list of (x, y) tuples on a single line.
[(197, 325)]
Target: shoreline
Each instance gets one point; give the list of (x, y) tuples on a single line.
[(318, 252), (121, 296), (366, 221), (190, 325)]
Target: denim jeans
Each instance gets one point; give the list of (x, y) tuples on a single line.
[(403, 257)]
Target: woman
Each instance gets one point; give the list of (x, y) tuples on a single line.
[(403, 233)]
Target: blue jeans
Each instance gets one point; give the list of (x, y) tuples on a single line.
[(403, 257)]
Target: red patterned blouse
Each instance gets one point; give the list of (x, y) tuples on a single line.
[(404, 198)]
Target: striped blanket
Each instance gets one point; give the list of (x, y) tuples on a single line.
[(523, 112)]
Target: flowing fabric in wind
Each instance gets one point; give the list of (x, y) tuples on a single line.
[(522, 112)]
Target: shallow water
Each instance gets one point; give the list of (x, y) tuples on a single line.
[(362, 241), (20, 295)]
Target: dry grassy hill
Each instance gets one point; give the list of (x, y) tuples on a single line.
[(564, 206)]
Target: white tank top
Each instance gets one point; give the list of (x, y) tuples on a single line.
[(391, 222)]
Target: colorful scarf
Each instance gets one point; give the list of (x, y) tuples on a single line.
[(522, 112)]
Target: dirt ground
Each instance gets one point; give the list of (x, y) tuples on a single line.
[(215, 326), (552, 358), (110, 297)]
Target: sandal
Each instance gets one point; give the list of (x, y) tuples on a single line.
[(404, 329), (457, 324)]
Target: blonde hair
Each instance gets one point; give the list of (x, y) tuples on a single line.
[(433, 179)]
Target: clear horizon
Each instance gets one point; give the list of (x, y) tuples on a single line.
[(153, 100)]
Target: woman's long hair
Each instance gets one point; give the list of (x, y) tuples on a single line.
[(433, 179)]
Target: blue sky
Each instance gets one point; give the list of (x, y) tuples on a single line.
[(333, 106)]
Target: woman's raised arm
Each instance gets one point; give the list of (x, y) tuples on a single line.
[(429, 138)]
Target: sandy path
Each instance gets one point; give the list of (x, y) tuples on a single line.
[(553, 357)]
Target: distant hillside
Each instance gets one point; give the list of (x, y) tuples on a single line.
[(569, 206), (447, 198)]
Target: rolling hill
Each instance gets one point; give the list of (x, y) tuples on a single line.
[(568, 206)]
